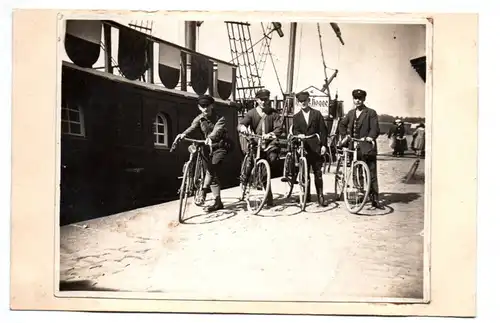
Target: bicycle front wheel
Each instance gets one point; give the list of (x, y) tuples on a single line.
[(303, 182), (357, 187), (198, 181), (258, 186), (184, 191)]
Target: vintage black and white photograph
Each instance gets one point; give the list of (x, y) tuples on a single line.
[(243, 160)]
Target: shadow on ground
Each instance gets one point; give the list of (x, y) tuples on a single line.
[(391, 198), (83, 285), (230, 210), (417, 178)]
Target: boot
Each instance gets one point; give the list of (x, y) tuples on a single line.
[(218, 203), (319, 193), (376, 203)]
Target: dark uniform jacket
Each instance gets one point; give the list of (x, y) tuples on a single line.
[(273, 123), (316, 125), (366, 125)]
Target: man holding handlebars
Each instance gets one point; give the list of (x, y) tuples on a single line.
[(266, 122), (362, 122), (213, 128), (307, 122)]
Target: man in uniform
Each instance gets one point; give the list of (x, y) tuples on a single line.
[(307, 122), (362, 122), (213, 128), (264, 121)]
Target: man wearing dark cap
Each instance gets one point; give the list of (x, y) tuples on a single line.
[(265, 121), (362, 122), (307, 122), (213, 128)]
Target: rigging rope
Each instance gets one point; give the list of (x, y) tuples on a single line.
[(299, 56), (274, 67), (265, 37), (262, 51), (323, 58)]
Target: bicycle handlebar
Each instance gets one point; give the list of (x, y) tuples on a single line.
[(363, 139), (196, 141), (305, 137), (358, 140), (251, 135)]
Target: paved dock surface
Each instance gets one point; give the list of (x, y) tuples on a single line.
[(281, 254)]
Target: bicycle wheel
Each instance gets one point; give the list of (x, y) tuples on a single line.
[(339, 179), (289, 173), (303, 177), (243, 179), (184, 190), (258, 186), (357, 187), (198, 180)]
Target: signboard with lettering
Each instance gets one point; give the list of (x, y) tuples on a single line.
[(317, 100)]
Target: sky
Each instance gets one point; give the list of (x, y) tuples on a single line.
[(375, 58)]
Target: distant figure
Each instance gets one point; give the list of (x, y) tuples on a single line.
[(418, 142), (398, 135)]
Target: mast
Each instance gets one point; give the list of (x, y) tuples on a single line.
[(291, 58)]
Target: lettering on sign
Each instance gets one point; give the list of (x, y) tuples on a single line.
[(319, 103)]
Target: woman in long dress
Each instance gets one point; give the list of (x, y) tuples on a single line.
[(419, 140)]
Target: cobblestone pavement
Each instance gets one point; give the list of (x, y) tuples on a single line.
[(322, 254)]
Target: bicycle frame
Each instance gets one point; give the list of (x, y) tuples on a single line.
[(252, 146), (194, 154), (302, 140), (250, 164)]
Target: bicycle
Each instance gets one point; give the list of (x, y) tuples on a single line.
[(352, 176), (260, 175), (193, 177), (296, 156)]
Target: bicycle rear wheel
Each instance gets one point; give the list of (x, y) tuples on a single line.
[(303, 178), (357, 187), (289, 173), (184, 191), (258, 186), (243, 180)]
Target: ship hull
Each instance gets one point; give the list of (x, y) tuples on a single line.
[(115, 166)]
